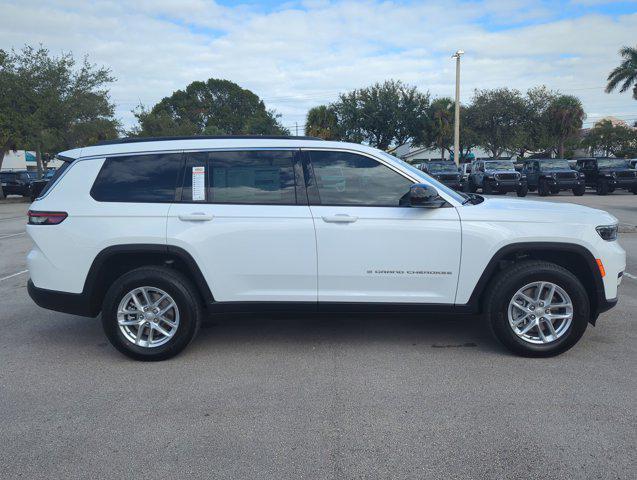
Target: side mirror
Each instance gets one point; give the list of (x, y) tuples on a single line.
[(424, 196)]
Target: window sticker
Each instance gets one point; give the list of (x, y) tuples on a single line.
[(198, 184)]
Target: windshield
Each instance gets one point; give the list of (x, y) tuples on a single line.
[(555, 165), (503, 165), (612, 163), (442, 167), (422, 175)]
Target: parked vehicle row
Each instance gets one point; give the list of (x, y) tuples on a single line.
[(171, 229), (24, 182), (547, 176)]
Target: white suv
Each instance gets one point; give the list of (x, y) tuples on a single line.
[(155, 233)]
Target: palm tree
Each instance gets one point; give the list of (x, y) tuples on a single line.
[(626, 73), (565, 118)]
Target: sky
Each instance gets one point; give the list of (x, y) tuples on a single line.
[(299, 54)]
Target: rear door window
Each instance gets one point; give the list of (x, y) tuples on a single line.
[(138, 178), (250, 177)]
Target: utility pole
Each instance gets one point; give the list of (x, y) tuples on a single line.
[(296, 124), (456, 123)]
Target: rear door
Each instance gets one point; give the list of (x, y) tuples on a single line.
[(372, 248), (244, 218)]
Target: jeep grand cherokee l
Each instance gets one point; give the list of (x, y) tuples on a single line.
[(155, 234)]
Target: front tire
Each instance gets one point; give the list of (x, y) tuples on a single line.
[(487, 189), (602, 187), (543, 188), (522, 191), (537, 308), (151, 313), (579, 190)]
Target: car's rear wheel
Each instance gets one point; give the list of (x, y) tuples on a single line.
[(151, 313), (537, 309), (579, 190)]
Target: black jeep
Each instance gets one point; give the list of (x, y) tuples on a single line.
[(550, 175), (496, 176), (445, 172), (608, 174), (16, 183)]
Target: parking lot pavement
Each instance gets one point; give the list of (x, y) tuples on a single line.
[(281, 396)]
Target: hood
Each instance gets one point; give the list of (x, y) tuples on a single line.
[(514, 210)]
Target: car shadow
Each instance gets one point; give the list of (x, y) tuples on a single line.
[(289, 331)]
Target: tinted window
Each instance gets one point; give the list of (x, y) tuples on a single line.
[(138, 178), (264, 177), (349, 179)]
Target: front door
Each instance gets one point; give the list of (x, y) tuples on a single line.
[(371, 247), (244, 218)]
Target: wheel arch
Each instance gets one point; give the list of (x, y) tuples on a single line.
[(114, 261), (575, 258)]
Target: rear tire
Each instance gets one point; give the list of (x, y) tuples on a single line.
[(538, 341), (602, 187), (579, 190), (123, 329)]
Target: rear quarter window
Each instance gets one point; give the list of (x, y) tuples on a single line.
[(138, 178)]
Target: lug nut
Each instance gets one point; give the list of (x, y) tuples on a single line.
[(547, 311)]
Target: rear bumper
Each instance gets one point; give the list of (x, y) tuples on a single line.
[(73, 303)]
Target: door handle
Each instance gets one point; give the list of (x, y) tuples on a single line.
[(195, 217), (339, 218)]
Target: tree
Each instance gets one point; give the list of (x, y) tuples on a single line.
[(384, 114), (469, 139), (441, 118), (213, 107), (498, 119), (607, 139), (322, 122), (533, 136), (625, 73), (50, 103), (565, 116)]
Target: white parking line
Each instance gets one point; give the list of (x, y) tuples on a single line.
[(14, 275), (629, 275), (12, 235)]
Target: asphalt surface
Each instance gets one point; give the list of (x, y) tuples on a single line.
[(321, 397)]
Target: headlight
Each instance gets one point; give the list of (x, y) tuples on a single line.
[(607, 232)]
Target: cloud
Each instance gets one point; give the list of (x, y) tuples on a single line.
[(299, 54)]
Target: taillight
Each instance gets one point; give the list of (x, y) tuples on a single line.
[(46, 218)]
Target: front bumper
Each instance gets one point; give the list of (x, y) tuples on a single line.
[(507, 185), (565, 184)]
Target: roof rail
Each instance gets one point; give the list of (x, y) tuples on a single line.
[(204, 137)]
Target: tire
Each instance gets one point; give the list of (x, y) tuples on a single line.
[(522, 191), (611, 189), (602, 186), (187, 315), (579, 190), (543, 188), (634, 189), (503, 289), (486, 187), (470, 187), (554, 190)]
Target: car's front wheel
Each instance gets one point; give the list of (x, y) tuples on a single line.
[(522, 191), (537, 308), (151, 313), (603, 187), (579, 190)]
